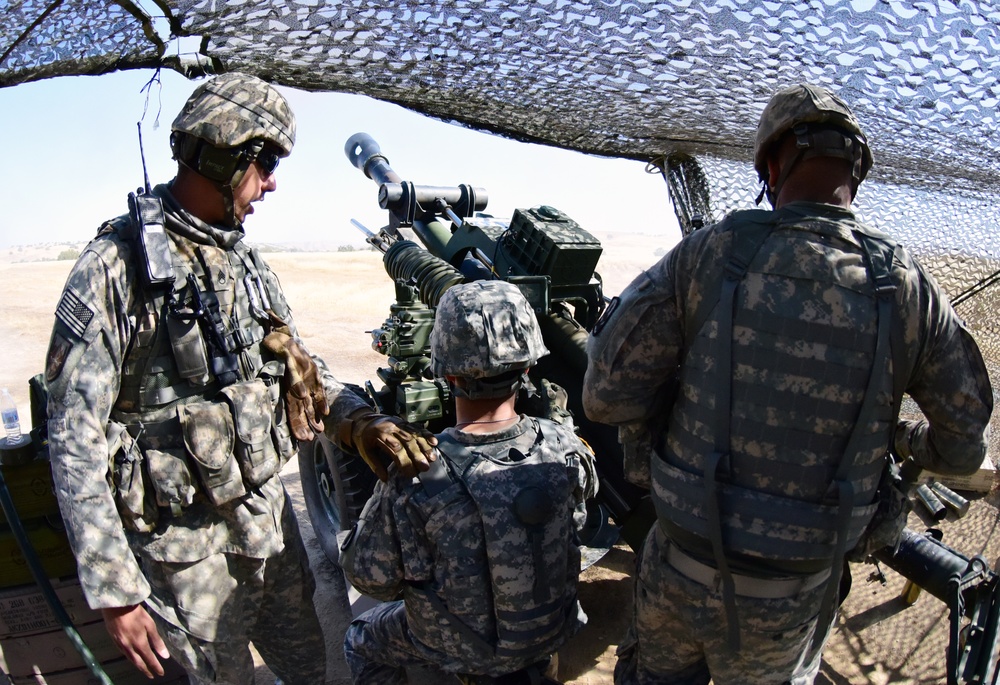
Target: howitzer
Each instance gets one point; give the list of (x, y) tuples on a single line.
[(436, 237)]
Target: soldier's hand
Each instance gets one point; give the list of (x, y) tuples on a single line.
[(304, 392), (134, 632), (379, 438)]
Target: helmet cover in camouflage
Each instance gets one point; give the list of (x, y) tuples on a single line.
[(232, 109), (483, 329), (805, 104)]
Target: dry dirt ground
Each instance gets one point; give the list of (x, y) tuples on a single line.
[(337, 297)]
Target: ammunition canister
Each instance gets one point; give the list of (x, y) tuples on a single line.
[(951, 498), (931, 502)]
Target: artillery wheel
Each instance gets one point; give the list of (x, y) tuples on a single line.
[(336, 486)]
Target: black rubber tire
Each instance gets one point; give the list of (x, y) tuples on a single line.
[(336, 486)]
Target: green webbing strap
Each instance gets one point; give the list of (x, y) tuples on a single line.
[(747, 240), (718, 550), (880, 262), (434, 481), (455, 459), (437, 478), (42, 578)]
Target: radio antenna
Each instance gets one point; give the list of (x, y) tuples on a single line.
[(142, 155)]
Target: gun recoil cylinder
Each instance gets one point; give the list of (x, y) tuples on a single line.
[(432, 275)]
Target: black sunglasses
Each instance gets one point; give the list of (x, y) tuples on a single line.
[(268, 160)]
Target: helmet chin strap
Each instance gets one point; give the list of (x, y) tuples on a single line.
[(229, 194), (192, 152)]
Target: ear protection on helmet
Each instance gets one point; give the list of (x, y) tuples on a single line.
[(222, 165)]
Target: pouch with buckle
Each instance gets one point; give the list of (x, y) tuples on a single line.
[(135, 503), (171, 477), (889, 520), (281, 432), (251, 406), (209, 437)]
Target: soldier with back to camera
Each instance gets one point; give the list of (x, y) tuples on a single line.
[(483, 547), (178, 388), (777, 346)]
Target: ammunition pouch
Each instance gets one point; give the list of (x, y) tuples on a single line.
[(171, 478), (284, 442), (209, 437), (129, 480), (224, 448), (254, 449)]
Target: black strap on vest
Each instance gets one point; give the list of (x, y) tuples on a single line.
[(879, 256), (747, 241), (454, 458)]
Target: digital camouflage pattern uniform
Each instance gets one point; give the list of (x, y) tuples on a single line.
[(482, 548), (134, 438), (802, 350), (413, 544)]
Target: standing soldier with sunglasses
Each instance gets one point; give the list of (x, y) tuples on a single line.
[(178, 388)]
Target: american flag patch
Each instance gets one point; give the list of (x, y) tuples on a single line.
[(74, 312)]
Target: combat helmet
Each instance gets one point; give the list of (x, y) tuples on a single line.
[(485, 333), (228, 122), (824, 126)]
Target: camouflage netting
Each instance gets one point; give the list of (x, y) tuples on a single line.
[(675, 81)]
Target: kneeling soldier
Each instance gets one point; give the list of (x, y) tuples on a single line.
[(483, 547)]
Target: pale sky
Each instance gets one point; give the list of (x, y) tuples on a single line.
[(72, 156)]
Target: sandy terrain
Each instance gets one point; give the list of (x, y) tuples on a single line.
[(336, 297)]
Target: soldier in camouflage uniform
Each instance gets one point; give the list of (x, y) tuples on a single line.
[(755, 375), (177, 391), (483, 547)]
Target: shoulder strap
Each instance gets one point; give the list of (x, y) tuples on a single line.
[(453, 461), (750, 229), (879, 255), (748, 236)]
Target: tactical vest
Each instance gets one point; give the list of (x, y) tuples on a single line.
[(200, 403), (525, 503), (776, 442)]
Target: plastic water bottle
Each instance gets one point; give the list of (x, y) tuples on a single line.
[(11, 423)]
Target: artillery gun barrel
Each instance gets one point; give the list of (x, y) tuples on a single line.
[(405, 200)]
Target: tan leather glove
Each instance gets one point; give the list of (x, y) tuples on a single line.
[(304, 392), (379, 438)]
